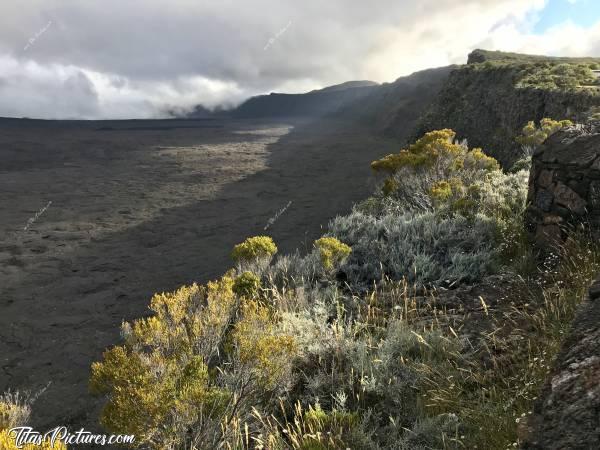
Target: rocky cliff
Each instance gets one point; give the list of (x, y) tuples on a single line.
[(564, 186), (564, 193), (482, 101), (311, 104), (567, 413)]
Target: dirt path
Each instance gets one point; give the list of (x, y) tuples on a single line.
[(140, 210)]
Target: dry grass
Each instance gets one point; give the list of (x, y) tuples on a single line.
[(493, 386)]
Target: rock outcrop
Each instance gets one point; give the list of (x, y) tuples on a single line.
[(564, 185), (481, 102), (567, 413), (564, 192)]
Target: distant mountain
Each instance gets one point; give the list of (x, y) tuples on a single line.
[(394, 108), (347, 85), (200, 112), (487, 100), (311, 104)]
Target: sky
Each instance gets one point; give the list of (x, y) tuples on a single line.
[(147, 58)]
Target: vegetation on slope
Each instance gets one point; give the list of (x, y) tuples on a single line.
[(489, 99), (361, 344), (480, 56), (15, 410), (549, 74)]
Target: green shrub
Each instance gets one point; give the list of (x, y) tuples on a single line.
[(553, 76)]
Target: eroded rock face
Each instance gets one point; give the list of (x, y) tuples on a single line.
[(484, 106), (567, 413), (564, 186)]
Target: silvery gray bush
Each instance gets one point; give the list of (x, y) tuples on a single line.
[(426, 248)]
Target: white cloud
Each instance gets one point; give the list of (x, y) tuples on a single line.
[(143, 57), (29, 89)]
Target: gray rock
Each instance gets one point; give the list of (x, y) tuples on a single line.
[(567, 412), (543, 200), (594, 195), (568, 198)]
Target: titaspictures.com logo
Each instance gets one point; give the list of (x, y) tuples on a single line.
[(61, 435)]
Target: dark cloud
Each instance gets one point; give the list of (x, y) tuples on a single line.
[(142, 57)]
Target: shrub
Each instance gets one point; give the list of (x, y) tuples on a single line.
[(534, 136), (254, 248), (431, 148), (332, 252), (203, 359), (562, 76), (15, 410), (457, 189), (260, 347), (158, 383), (426, 172), (246, 285), (424, 248)]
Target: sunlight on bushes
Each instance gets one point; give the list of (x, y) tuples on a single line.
[(534, 136), (15, 410), (246, 285), (377, 338), (331, 251), (257, 247)]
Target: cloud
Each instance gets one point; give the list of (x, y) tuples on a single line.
[(565, 39), (142, 58)]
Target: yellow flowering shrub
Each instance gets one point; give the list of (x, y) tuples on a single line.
[(419, 175), (253, 248), (476, 159), (534, 136), (441, 190), (7, 442), (161, 373), (389, 185), (247, 285), (455, 196), (261, 348), (332, 252), (423, 153), (207, 353), (13, 413), (433, 147)]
